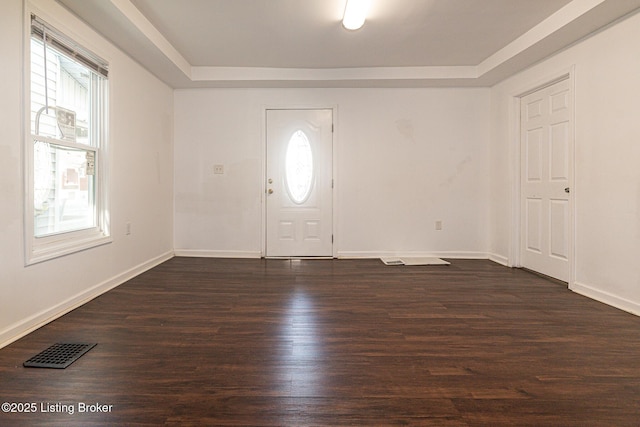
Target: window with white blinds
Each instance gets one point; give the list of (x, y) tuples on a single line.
[(67, 150)]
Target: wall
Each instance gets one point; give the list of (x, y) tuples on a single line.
[(404, 159), (141, 184), (607, 176)]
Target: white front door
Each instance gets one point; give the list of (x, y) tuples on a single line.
[(546, 139), (299, 183)]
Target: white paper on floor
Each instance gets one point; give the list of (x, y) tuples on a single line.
[(414, 261)]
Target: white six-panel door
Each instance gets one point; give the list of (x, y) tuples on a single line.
[(299, 183), (546, 139)]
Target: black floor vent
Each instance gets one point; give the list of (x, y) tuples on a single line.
[(58, 356)]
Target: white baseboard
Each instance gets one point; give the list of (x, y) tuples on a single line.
[(377, 254), (30, 324), (502, 260), (606, 298), (203, 253)]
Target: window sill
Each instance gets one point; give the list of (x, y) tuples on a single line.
[(55, 249)]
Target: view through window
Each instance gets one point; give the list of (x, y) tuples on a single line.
[(68, 122)]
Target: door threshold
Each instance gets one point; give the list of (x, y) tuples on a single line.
[(544, 276), (298, 257)]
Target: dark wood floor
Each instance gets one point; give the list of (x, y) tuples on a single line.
[(334, 343)]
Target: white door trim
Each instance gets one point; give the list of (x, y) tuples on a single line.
[(263, 174), (515, 257)]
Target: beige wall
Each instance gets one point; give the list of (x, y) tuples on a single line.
[(404, 158), (607, 152), (141, 182)]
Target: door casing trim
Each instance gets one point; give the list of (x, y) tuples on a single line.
[(515, 256), (334, 172)]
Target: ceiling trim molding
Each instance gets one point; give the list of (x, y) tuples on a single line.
[(571, 23), (544, 29), (199, 74), (153, 35)]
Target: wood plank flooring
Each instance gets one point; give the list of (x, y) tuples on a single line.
[(222, 342)]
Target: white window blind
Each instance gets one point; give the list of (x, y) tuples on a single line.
[(57, 40)]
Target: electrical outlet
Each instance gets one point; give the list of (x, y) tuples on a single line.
[(218, 169), (127, 229), (438, 225)]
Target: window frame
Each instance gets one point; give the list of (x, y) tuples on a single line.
[(50, 246)]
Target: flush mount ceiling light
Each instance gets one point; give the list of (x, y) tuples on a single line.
[(355, 12)]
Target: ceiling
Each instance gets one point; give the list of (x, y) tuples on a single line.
[(301, 43)]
